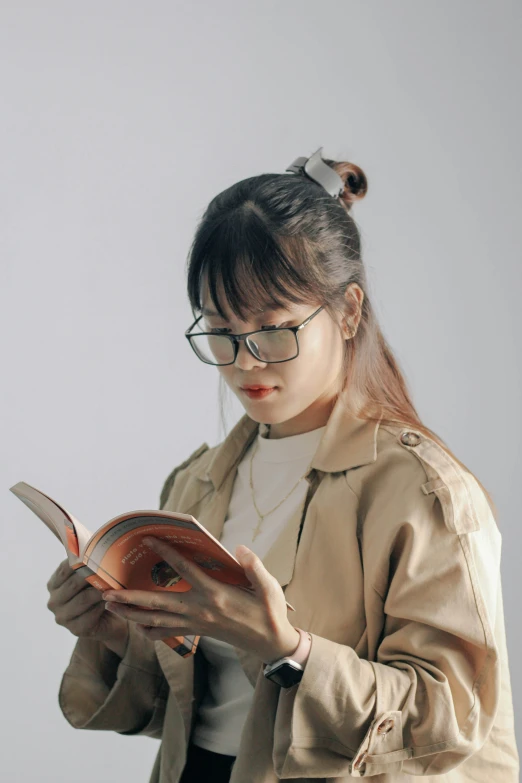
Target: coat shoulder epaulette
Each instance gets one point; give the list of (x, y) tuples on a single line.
[(169, 482), (462, 499)]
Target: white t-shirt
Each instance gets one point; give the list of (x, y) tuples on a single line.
[(278, 463)]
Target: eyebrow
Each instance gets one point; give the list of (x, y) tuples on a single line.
[(269, 308)]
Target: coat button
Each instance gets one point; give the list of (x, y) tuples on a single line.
[(410, 438), (386, 726)]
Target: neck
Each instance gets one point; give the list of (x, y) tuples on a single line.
[(310, 419)]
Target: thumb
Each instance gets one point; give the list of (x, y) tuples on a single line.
[(260, 578)]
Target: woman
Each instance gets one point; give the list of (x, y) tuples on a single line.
[(339, 501)]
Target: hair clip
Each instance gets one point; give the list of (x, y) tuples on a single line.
[(317, 170)]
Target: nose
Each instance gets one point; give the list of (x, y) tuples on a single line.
[(245, 360)]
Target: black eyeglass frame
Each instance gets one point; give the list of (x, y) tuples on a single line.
[(235, 338)]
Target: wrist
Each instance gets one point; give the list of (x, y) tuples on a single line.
[(284, 646), (300, 655)]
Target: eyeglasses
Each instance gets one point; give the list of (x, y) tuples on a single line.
[(272, 345)]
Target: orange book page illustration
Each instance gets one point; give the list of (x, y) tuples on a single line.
[(119, 551)]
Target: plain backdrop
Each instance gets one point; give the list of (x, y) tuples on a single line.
[(120, 120)]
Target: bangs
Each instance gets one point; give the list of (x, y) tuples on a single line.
[(252, 268)]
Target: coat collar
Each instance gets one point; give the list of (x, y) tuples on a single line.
[(347, 442)]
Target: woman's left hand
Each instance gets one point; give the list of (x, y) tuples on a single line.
[(253, 621)]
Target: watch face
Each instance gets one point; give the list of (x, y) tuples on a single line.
[(285, 675)]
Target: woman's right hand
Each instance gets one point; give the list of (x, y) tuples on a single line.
[(80, 608)]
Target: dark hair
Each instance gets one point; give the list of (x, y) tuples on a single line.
[(277, 239)]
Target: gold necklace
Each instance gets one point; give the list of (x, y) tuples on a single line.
[(260, 515)]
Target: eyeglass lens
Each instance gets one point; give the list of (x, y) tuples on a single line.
[(270, 346)]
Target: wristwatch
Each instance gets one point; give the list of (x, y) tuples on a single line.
[(288, 671)]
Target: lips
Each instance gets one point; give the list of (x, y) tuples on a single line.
[(259, 393), (256, 388)]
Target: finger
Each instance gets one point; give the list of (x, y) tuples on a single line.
[(145, 616), (194, 575), (77, 606), (62, 573), (71, 587), (262, 581), (82, 624), (153, 599)]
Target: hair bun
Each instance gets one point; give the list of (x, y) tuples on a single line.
[(354, 178)]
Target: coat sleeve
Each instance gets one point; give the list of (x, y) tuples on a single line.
[(428, 698), (101, 691), (128, 695)]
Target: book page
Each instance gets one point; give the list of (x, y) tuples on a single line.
[(55, 517), (83, 535)]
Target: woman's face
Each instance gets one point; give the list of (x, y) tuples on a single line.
[(304, 388)]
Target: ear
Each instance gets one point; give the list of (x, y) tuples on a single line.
[(354, 297)]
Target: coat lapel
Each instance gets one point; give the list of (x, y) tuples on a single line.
[(348, 441)]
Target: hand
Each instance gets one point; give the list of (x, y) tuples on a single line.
[(253, 621), (79, 607)]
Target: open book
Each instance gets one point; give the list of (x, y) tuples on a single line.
[(115, 557)]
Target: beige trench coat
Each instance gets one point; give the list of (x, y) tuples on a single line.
[(393, 565)]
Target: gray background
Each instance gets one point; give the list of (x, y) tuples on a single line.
[(120, 121)]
